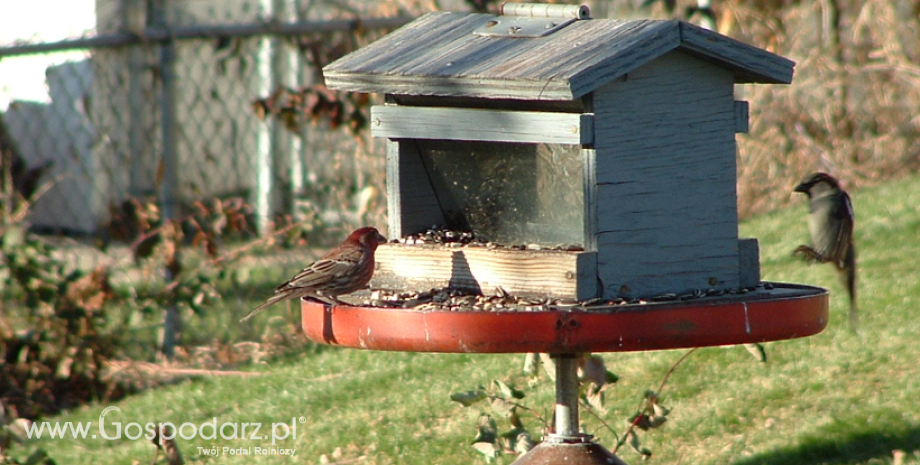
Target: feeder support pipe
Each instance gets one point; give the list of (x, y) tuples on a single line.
[(566, 395)]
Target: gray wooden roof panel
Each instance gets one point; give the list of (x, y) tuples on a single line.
[(438, 54), (598, 44), (751, 64), (639, 45), (409, 46)]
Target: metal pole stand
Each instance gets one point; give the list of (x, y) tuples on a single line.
[(566, 445)]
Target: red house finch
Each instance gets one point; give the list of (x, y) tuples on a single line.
[(830, 222), (344, 269)]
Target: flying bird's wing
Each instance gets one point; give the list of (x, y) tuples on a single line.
[(831, 225), (842, 214)]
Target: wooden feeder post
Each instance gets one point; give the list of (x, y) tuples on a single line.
[(595, 161)]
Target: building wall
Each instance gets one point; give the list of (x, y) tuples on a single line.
[(61, 134), (101, 129), (216, 134), (667, 214)]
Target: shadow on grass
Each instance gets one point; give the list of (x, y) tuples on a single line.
[(843, 447)]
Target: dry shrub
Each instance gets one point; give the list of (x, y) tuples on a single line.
[(58, 361), (851, 109)]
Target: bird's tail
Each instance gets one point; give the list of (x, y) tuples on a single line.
[(849, 276), (268, 303)]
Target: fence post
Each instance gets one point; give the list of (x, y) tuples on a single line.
[(293, 75), (139, 150), (279, 166), (264, 182), (169, 185)]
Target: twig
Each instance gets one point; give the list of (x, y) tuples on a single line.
[(674, 367), (590, 410), (232, 254), (521, 406), (664, 380)]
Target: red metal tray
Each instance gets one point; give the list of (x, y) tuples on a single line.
[(785, 311)]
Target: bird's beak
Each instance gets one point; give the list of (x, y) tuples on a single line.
[(803, 188), (381, 239)]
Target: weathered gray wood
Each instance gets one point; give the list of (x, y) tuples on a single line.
[(666, 207), (397, 122), (521, 272), (439, 55), (589, 157), (581, 105), (742, 117), (394, 202), (586, 286), (750, 64), (412, 205), (748, 262)]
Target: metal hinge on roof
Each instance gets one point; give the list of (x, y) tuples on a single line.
[(532, 19)]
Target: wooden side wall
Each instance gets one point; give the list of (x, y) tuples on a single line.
[(412, 205), (665, 164), (541, 273)]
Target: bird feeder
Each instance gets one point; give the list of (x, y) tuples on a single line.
[(609, 145), (595, 159)]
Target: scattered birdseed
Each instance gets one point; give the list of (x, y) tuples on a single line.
[(454, 239), (455, 300)]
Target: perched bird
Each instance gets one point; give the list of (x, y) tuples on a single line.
[(830, 222), (343, 270)]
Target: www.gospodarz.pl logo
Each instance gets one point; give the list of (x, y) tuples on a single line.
[(164, 431)]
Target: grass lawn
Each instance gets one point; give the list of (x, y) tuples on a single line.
[(835, 398)]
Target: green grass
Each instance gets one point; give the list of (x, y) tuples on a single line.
[(834, 398)]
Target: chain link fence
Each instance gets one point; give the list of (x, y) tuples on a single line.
[(164, 110), (163, 113)]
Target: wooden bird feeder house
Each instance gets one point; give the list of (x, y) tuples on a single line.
[(595, 160), (603, 149)]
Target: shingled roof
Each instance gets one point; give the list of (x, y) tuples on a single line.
[(438, 54)]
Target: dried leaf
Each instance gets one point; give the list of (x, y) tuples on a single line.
[(641, 421), (488, 449), (508, 392), (594, 396), (651, 398), (758, 351), (523, 443), (503, 388), (531, 364), (591, 368), (501, 407), (660, 410), (487, 430), (549, 366)]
